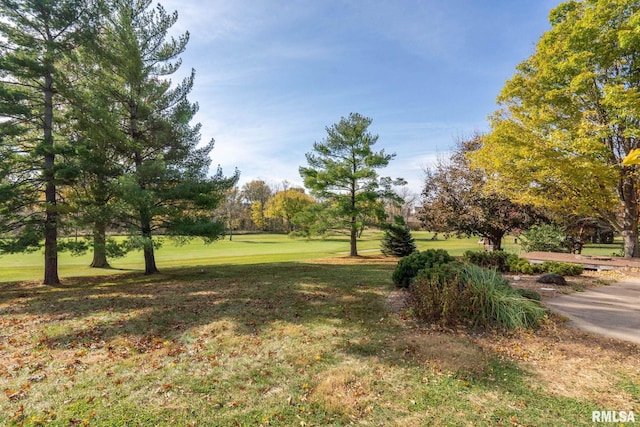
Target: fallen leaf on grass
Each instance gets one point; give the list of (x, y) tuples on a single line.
[(17, 394), (19, 414)]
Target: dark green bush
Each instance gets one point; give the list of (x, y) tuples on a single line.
[(409, 266), (451, 294), (499, 260)]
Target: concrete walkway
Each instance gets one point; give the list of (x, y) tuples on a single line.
[(613, 310)]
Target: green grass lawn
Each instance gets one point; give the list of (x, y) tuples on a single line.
[(269, 331), (243, 249), (280, 344)]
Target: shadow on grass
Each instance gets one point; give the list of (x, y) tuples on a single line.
[(345, 299), (169, 305)]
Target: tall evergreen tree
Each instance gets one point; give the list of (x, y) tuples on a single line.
[(36, 35), (166, 185), (342, 171), (100, 155)]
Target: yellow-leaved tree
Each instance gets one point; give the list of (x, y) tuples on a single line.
[(570, 115), (285, 205)]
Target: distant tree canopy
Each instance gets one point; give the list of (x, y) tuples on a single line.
[(256, 193), (570, 114), (285, 205), (456, 200), (342, 173)]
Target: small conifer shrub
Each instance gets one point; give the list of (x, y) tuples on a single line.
[(397, 240)]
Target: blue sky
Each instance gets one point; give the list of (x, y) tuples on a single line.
[(272, 74)]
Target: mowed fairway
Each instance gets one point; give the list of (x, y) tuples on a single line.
[(243, 249), (250, 339)]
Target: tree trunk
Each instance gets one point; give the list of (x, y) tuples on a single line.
[(99, 246), (51, 237), (51, 212), (149, 255), (354, 218), (289, 224), (354, 237), (496, 241), (628, 192), (150, 260)]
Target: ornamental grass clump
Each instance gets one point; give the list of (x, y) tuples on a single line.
[(495, 303), (455, 293)]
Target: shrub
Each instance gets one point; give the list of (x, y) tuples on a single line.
[(397, 239), (454, 293), (506, 262), (543, 238), (562, 268), (521, 265), (439, 294), (409, 266), (499, 260)]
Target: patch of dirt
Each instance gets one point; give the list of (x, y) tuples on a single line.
[(343, 389)]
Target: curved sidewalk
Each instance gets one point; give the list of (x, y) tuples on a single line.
[(613, 311)]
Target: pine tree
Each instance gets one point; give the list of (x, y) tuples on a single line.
[(165, 185), (397, 239), (36, 37), (342, 170), (100, 155)]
